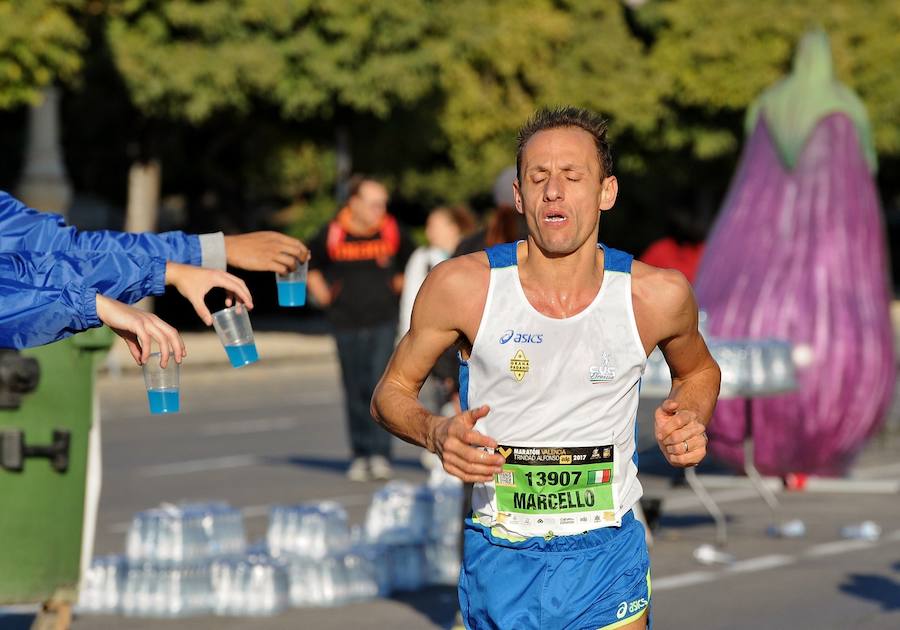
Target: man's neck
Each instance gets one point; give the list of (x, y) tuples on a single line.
[(560, 286)]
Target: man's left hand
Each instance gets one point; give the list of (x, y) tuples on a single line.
[(680, 434), (265, 251)]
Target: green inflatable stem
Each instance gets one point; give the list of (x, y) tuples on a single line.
[(793, 106)]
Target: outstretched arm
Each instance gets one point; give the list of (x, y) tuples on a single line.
[(436, 325)]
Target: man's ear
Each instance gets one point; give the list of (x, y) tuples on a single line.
[(609, 190), (517, 194)]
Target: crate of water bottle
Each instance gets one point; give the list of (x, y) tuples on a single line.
[(312, 530), (255, 585), (225, 525), (400, 512), (447, 511), (407, 566), (185, 532), (442, 562), (317, 581), (166, 590), (102, 585)]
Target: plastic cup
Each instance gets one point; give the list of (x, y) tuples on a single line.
[(162, 385), (292, 286), (233, 327)]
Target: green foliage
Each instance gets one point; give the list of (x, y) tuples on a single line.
[(190, 60), (433, 91), (713, 57), (499, 60), (39, 44)]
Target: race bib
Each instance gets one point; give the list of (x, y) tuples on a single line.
[(556, 486)]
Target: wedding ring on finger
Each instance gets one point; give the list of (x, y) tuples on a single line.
[(686, 447)]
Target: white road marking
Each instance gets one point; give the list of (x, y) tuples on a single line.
[(199, 465), (837, 547), (683, 579), (773, 561), (761, 563), (243, 427), (690, 500)]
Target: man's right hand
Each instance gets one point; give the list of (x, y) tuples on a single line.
[(456, 442), (138, 328)]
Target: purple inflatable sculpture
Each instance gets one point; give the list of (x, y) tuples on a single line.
[(798, 253)]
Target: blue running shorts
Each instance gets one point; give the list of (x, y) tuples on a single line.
[(598, 580)]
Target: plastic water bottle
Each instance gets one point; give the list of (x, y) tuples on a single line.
[(102, 584), (317, 582), (167, 591), (442, 562), (400, 513), (187, 532), (313, 530), (794, 528), (407, 566), (254, 585), (866, 530)]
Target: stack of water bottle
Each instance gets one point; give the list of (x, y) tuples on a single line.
[(324, 567), (192, 558), (417, 530), (184, 560)]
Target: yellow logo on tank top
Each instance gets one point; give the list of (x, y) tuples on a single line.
[(519, 365)]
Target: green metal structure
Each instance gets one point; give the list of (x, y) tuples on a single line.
[(41, 509)]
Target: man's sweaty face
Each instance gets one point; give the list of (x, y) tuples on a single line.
[(560, 192)]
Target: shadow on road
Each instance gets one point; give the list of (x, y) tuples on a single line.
[(438, 603), (875, 588)]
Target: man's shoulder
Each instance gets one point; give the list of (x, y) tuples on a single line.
[(658, 288), (462, 272), (454, 293)]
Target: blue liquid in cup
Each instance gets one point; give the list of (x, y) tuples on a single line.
[(163, 400), (291, 293), (242, 355)]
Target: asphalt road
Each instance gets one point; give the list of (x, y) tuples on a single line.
[(275, 434)]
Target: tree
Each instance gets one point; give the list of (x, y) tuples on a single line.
[(714, 57), (40, 43)]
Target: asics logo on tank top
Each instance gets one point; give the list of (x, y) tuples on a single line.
[(520, 337)]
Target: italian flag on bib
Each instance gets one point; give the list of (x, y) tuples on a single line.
[(596, 477)]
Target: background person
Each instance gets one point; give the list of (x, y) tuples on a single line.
[(356, 274)]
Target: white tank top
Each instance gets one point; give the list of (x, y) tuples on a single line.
[(563, 395)]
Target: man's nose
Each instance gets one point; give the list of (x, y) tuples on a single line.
[(553, 191)]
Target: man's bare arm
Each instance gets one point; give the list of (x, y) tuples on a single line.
[(319, 291), (682, 418), (443, 311)]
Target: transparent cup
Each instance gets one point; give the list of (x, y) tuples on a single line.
[(292, 286), (233, 327), (162, 385)]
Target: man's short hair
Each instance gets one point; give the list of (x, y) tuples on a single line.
[(567, 116), (356, 181)]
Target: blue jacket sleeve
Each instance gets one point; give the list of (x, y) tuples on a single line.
[(32, 316), (45, 297), (121, 277), (25, 229)]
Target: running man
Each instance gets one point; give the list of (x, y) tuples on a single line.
[(555, 332)]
